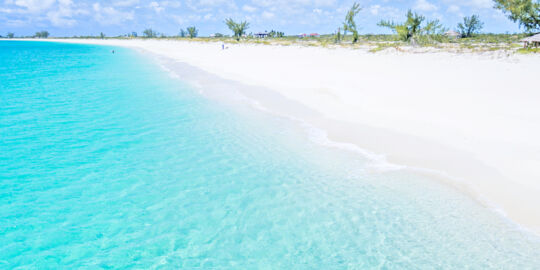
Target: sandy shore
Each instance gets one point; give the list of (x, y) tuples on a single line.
[(473, 118)]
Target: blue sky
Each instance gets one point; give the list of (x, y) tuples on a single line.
[(114, 17)]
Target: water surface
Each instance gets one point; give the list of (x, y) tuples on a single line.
[(106, 161)]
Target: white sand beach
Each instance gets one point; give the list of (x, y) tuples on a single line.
[(474, 118)]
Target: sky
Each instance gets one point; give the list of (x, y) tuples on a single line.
[(118, 17)]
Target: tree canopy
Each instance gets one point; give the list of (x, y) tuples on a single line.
[(192, 31), (412, 27), (149, 33), (42, 34), (470, 26), (238, 29), (182, 33), (526, 12)]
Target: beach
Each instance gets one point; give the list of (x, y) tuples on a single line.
[(470, 120)]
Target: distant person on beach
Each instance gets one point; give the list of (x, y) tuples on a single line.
[(222, 45)]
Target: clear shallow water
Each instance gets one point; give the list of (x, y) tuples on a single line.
[(108, 162)]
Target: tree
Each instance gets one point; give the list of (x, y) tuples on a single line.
[(192, 31), (412, 27), (182, 33), (42, 34), (338, 35), (149, 33), (274, 34), (350, 24), (433, 28), (10, 35), (470, 26), (526, 12), (239, 29), (101, 35)]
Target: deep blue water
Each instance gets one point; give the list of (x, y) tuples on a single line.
[(106, 161)]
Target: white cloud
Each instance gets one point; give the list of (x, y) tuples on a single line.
[(156, 7), (110, 15), (60, 18), (476, 4), (212, 2), (482, 3), (16, 23), (171, 4), (268, 15), (32, 6), (7, 10), (374, 9), (248, 8), (454, 8), (125, 3), (424, 5)]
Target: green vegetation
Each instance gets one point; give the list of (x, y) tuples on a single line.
[(528, 50), (412, 29), (350, 24), (239, 29), (470, 26), (425, 35), (149, 33), (192, 31), (42, 34), (338, 36), (274, 34), (526, 12), (182, 33), (384, 46), (102, 35)]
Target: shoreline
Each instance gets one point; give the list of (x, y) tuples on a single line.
[(326, 103), (269, 101)]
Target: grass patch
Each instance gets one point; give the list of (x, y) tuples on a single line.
[(528, 50), (384, 46)]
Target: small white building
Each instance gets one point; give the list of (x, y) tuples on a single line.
[(452, 34)]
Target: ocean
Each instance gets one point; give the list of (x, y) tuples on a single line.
[(107, 161)]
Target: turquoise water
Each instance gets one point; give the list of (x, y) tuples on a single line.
[(106, 161)]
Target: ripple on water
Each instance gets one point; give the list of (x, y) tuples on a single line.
[(108, 162)]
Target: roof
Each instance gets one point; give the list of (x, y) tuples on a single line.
[(535, 38), (452, 33)]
